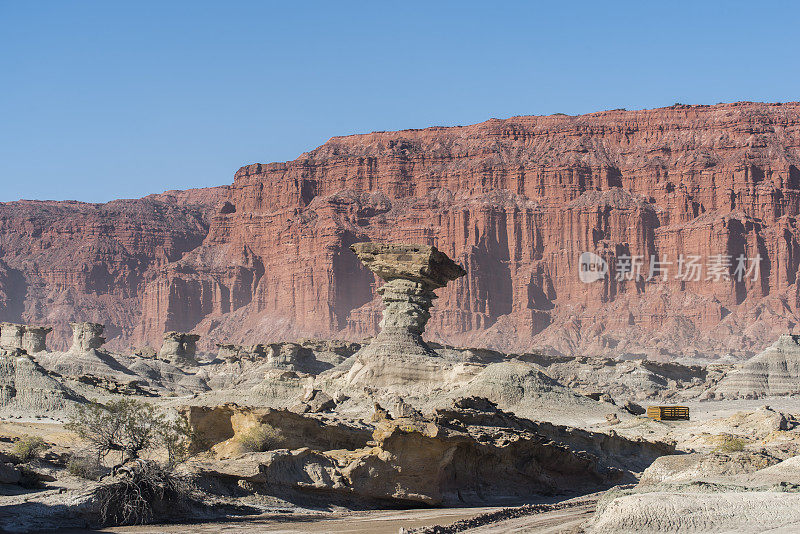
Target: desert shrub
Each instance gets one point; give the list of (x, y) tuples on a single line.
[(143, 491), (730, 444), (131, 427), (29, 448), (82, 466), (260, 438)]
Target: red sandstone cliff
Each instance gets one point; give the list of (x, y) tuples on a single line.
[(515, 201), (68, 261)]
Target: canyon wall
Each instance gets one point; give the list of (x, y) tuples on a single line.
[(63, 262), (514, 201)]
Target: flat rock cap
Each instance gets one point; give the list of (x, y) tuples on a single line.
[(420, 263)]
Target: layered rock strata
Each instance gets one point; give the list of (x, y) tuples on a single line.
[(515, 201), (27, 390), (775, 371)]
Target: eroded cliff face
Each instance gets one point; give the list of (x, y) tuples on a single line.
[(515, 202), (73, 261)]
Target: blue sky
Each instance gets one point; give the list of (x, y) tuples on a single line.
[(104, 100)]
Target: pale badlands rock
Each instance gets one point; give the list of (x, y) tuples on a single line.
[(411, 273), (86, 336), (469, 453), (747, 491), (775, 371), (419, 263), (398, 355), (179, 348), (699, 466), (687, 512), (26, 389), (218, 428), (514, 201), (31, 339)]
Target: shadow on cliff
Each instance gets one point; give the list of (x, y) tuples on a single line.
[(353, 281), (14, 287)]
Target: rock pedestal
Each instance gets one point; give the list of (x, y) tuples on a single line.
[(11, 336), (35, 338), (411, 273), (31, 339), (86, 336), (179, 348)]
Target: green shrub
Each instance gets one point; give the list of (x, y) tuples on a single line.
[(730, 444), (260, 438), (84, 467), (29, 448)]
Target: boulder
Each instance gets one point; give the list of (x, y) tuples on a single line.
[(633, 408), (9, 474)]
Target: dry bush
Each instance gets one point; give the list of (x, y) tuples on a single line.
[(29, 448), (143, 492), (260, 438)]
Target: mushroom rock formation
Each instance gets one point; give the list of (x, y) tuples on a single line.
[(34, 339), (11, 336), (179, 348), (398, 356), (86, 336), (411, 273), (31, 339)]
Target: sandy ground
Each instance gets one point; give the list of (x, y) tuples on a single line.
[(566, 521), (372, 522)]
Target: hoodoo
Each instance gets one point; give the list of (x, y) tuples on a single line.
[(31, 339), (86, 336), (179, 348), (411, 273), (398, 356)]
